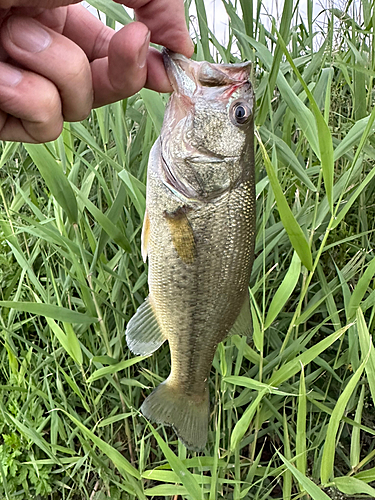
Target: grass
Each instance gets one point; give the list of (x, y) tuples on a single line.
[(292, 414)]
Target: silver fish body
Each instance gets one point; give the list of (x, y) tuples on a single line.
[(198, 235)]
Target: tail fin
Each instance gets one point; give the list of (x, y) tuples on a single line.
[(186, 414)]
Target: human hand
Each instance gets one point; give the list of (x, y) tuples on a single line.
[(58, 62)]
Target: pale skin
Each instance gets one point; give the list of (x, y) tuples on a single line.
[(57, 61)]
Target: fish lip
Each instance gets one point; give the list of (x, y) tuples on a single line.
[(187, 76), (179, 71)]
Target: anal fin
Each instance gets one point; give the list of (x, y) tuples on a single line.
[(243, 324), (143, 333)]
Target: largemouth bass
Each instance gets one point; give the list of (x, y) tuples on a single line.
[(198, 235)]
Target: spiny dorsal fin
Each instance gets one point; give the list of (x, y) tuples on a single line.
[(143, 334), (182, 234)]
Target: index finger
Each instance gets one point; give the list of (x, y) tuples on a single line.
[(45, 4), (166, 21), (83, 28)]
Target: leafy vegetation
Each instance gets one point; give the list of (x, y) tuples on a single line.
[(293, 414)]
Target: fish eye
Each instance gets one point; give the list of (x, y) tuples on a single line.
[(240, 113)]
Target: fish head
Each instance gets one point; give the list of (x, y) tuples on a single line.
[(208, 131)]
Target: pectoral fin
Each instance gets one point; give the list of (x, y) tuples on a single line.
[(243, 324), (143, 333), (182, 234), (145, 236)]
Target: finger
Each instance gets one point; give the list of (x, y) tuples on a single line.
[(157, 78), (110, 74), (30, 106), (124, 71), (49, 54), (52, 18), (76, 23), (166, 21), (87, 31), (45, 4)]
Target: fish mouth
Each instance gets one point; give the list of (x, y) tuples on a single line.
[(180, 72), (187, 76)]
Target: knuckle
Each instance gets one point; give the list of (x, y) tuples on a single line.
[(44, 133), (136, 4), (101, 41), (77, 70), (47, 109), (78, 114)]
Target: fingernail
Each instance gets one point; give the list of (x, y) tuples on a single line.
[(28, 34), (142, 57), (9, 76)]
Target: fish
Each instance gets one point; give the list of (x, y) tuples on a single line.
[(198, 236)]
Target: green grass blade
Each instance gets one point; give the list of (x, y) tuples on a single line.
[(301, 113), (34, 436), (287, 476), (110, 370), (287, 156), (203, 28), (7, 153), (69, 340), (364, 136), (50, 311), (326, 467), (294, 366), (253, 384), (186, 478), (360, 289), (107, 225), (365, 341), (355, 442), (353, 486), (115, 456), (247, 12), (155, 107), (324, 134), (353, 137), (284, 291), (55, 179), (285, 29), (301, 452), (113, 10), (296, 236), (136, 191), (309, 486), (166, 490), (243, 424)]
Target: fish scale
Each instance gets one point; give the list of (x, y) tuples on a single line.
[(198, 236)]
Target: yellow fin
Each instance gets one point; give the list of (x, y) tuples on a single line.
[(182, 234), (145, 236)]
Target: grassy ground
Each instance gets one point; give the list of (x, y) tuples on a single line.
[(293, 414)]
